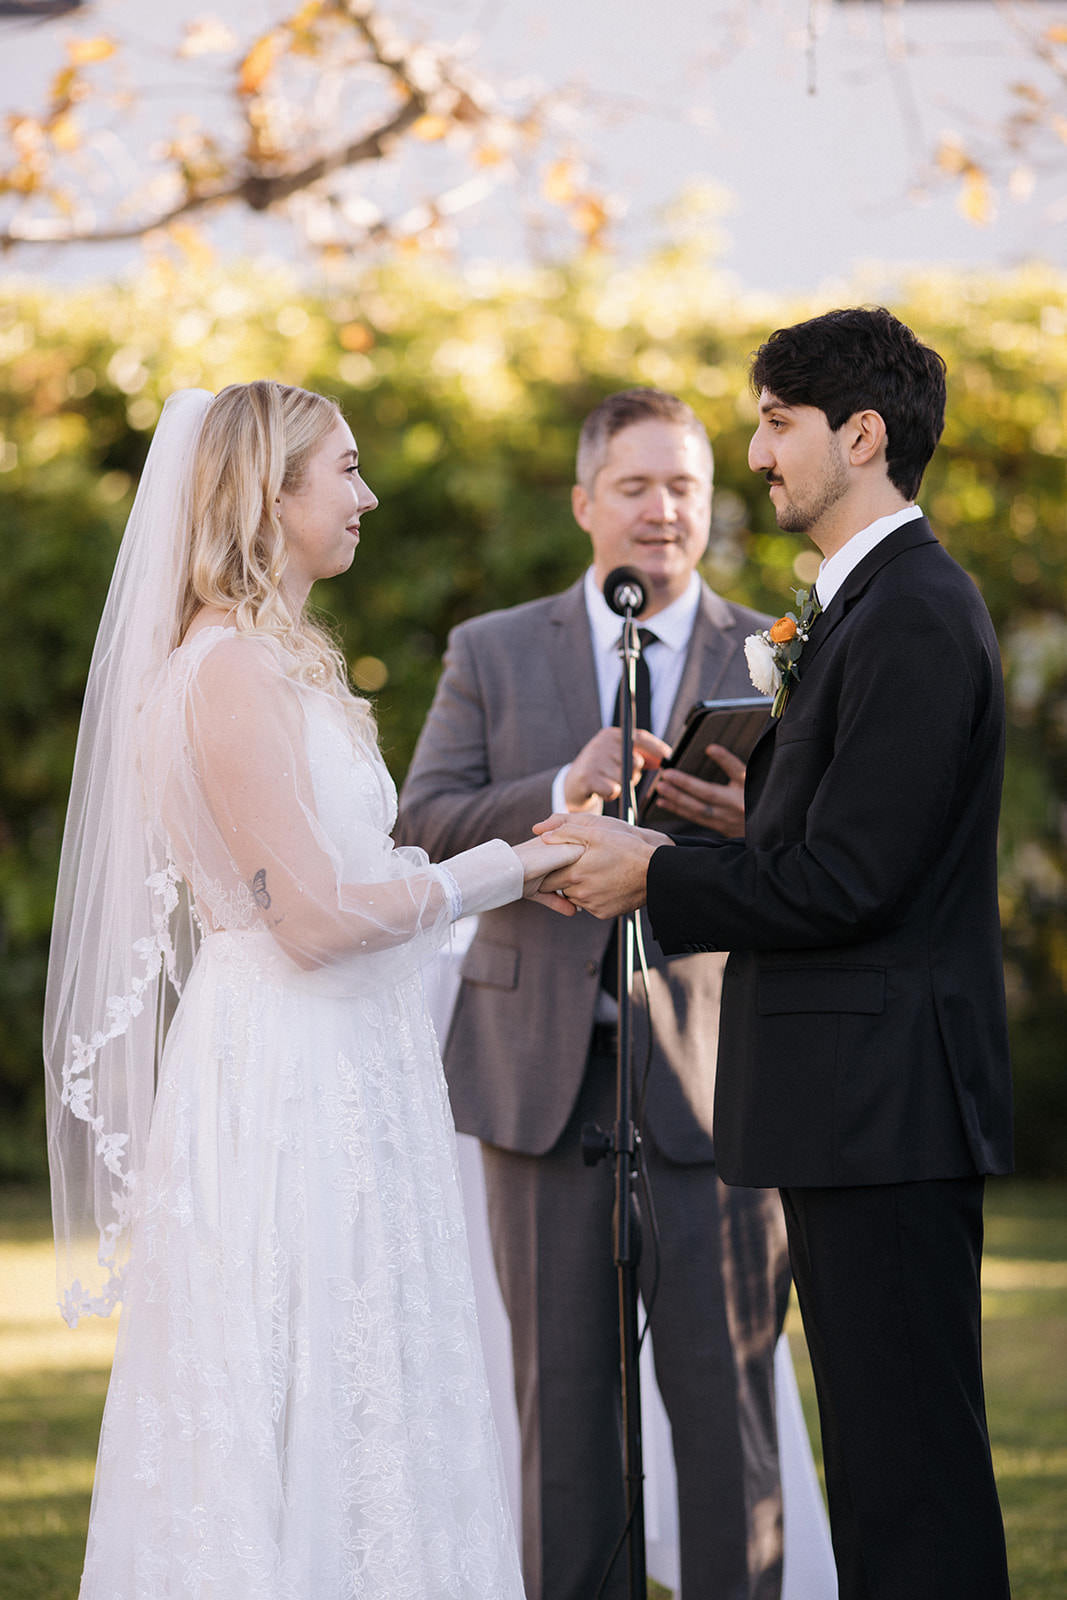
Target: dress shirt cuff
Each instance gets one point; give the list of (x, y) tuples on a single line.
[(559, 799)]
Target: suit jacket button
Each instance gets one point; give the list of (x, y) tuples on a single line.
[(592, 968)]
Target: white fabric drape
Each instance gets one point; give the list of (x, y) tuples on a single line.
[(119, 938)]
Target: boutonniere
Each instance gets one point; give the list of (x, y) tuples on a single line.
[(773, 653)]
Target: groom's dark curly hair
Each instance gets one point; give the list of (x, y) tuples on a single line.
[(861, 359)]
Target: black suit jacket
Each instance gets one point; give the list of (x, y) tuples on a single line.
[(863, 1035)]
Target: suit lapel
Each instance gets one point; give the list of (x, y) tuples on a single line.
[(906, 537), (570, 647), (712, 645), (714, 641)]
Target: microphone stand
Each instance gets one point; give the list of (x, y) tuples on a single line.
[(622, 1144)]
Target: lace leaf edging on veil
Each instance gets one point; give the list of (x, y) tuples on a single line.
[(156, 952)]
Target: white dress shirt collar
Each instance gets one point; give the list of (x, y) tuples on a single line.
[(837, 567), (673, 626)]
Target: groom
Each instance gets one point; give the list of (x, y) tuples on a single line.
[(863, 1061)]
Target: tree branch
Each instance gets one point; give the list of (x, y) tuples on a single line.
[(419, 74), (257, 190), (38, 10)]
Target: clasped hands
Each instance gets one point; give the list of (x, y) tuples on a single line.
[(606, 865), (607, 871)]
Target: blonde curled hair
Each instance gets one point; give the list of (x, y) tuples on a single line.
[(257, 439)]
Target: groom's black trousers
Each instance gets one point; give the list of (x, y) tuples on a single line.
[(888, 1283)]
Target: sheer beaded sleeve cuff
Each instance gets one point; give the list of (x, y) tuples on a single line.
[(453, 894), (488, 876)]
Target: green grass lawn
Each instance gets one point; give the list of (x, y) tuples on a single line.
[(52, 1386)]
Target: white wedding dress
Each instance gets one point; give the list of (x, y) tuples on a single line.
[(298, 1408)]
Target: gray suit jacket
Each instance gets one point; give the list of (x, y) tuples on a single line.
[(516, 701)]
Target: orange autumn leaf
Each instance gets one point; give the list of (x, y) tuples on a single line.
[(589, 216), (976, 197), (257, 65), (84, 52), (304, 15), (65, 133), (23, 178), (560, 183), (430, 127), (951, 156), (65, 85)]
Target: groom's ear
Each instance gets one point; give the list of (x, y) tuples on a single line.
[(864, 436)]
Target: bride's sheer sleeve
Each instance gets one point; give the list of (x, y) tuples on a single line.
[(273, 837)]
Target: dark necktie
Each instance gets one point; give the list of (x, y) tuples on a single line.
[(642, 685)]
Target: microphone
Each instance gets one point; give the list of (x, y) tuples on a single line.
[(625, 591)]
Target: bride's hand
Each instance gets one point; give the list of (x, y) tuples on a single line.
[(540, 858)]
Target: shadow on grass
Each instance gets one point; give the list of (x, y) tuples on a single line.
[(49, 1422), (51, 1415), (25, 1213), (45, 1565)]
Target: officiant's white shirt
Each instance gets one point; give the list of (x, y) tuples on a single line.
[(673, 627)]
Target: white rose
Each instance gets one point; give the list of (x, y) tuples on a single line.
[(762, 667)]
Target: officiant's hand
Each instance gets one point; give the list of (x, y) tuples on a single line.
[(609, 877), (595, 774), (720, 806)]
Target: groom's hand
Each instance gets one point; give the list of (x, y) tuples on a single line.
[(610, 875)]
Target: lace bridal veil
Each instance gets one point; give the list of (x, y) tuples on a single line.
[(113, 958)]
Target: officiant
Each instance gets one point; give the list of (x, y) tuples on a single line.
[(523, 723)]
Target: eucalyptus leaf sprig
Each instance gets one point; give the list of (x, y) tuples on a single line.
[(773, 653)]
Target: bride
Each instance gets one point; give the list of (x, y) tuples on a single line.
[(264, 1171)]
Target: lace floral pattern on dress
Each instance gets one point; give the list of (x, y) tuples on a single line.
[(299, 1388)]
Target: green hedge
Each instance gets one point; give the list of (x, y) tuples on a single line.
[(465, 391)]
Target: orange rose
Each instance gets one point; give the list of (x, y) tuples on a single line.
[(783, 630)]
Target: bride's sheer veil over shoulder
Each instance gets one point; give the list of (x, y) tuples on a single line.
[(113, 958)]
